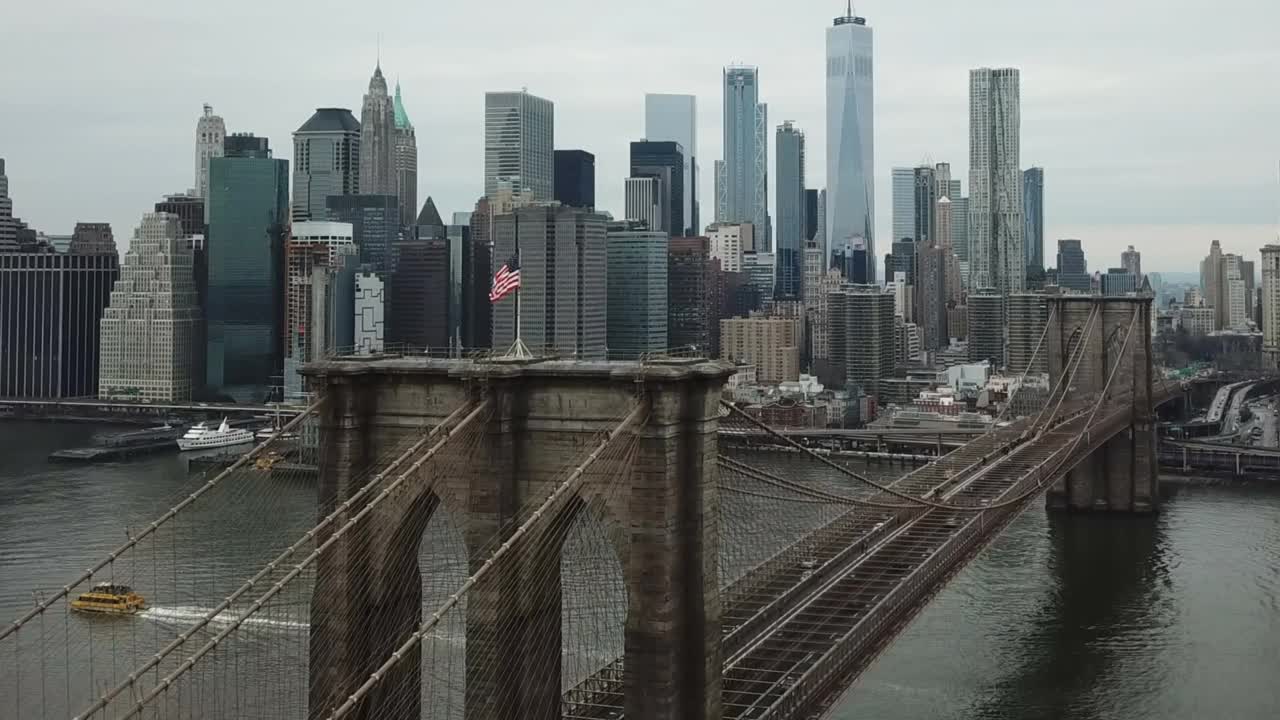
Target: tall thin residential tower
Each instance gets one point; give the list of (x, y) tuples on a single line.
[(745, 182), (997, 256), (851, 197), (406, 159), (211, 133), (790, 206)]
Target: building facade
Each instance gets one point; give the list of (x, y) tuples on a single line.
[(862, 338), (248, 220), (51, 305), (1028, 315), (642, 202), (211, 133), (150, 327), (369, 331), (563, 294), (1271, 306), (728, 242), (91, 238), (406, 161), (377, 139), (663, 161), (326, 161), (1213, 282), (851, 198), (691, 301), (419, 293), (375, 224), (575, 178), (675, 118), (997, 253), (745, 180), (1073, 270), (791, 209), (637, 291), (320, 290), (519, 135), (771, 344), (1119, 281), (1033, 217), (986, 327), (1131, 261)]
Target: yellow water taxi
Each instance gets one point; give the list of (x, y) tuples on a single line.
[(268, 461), (110, 599)]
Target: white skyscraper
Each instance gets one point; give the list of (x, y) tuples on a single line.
[(211, 134), (643, 201), (150, 325), (996, 255), (675, 117), (519, 132), (851, 197), (745, 180)]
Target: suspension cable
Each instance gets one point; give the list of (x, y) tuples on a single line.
[(44, 604), (417, 636), (270, 567)]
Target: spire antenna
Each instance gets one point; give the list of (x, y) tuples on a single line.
[(379, 55)]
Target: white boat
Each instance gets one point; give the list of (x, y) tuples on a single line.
[(269, 432), (200, 437)]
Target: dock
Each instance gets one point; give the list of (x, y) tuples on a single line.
[(107, 453)]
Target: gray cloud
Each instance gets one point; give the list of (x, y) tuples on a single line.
[(1147, 114)]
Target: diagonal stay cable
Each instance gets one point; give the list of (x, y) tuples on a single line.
[(155, 525), (771, 479), (308, 536), (275, 589), (1022, 381), (569, 484), (1069, 448)]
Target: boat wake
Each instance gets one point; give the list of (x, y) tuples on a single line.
[(187, 614)]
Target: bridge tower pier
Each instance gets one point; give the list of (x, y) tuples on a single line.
[(1122, 474), (661, 525)]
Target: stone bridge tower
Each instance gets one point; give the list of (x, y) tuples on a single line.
[(662, 526), (1123, 474)]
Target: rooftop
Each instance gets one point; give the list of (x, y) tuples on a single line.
[(331, 120)]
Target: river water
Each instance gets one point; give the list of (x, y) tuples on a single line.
[(1064, 617)]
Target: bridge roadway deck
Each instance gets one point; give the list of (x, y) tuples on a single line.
[(788, 616)]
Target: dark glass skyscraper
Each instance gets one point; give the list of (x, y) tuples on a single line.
[(418, 315), (810, 214), (789, 145), (663, 160), (692, 303), (50, 307), (575, 180), (1033, 216), (375, 224), (1073, 271), (248, 218)]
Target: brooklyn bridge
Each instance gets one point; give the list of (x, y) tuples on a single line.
[(594, 547)]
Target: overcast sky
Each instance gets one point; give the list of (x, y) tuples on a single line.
[(1157, 121)]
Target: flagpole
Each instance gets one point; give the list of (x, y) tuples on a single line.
[(519, 342)]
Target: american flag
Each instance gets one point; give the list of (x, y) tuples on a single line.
[(506, 280)]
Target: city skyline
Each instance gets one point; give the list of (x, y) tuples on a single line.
[(1182, 186)]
